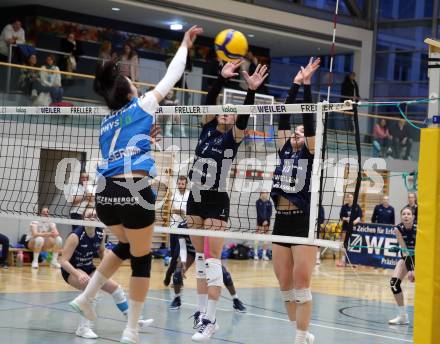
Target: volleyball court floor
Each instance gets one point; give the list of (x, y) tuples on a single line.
[(350, 306)]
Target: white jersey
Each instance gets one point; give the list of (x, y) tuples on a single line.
[(42, 227), (179, 203), (79, 190)]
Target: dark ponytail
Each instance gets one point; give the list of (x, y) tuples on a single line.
[(111, 85)]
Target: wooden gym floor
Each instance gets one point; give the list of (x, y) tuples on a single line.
[(350, 306)]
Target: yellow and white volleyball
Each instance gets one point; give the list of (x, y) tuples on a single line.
[(231, 45)]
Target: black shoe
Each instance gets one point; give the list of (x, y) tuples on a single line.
[(176, 304), (238, 306), (167, 280), (4, 265)]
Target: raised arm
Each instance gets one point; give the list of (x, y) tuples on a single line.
[(177, 65), (253, 83), (228, 71), (309, 119)]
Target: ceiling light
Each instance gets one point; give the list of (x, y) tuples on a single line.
[(116, 9), (251, 35), (176, 27)]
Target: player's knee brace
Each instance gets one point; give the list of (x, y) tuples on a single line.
[(303, 296), (288, 295), (227, 279), (141, 266), (395, 285), (38, 242), (122, 250), (200, 266), (177, 277), (58, 242), (214, 276)]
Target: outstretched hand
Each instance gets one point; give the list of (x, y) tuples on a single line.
[(304, 75), (190, 36), (229, 69), (255, 80)]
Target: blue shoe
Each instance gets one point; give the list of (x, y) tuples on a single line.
[(238, 306), (176, 304)]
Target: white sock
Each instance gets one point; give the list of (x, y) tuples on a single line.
[(120, 300), (234, 296), (202, 300), (402, 310), (177, 295), (264, 253), (300, 337), (95, 283), (211, 309), (54, 257), (134, 313), (35, 260)]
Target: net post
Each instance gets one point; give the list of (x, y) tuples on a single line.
[(316, 173), (427, 295)]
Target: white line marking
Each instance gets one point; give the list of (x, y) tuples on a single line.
[(311, 324)]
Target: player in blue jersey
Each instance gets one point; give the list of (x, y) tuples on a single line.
[(81, 246), (124, 198), (208, 202), (406, 236), (293, 264)]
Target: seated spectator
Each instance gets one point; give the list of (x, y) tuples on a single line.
[(384, 212), (52, 80), (72, 47), (172, 120), (12, 34), (348, 210), (412, 203), (29, 81), (382, 139), (401, 141), (43, 235), (129, 63), (4, 242)]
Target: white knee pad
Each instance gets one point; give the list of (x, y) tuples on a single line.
[(288, 295), (214, 273), (58, 242), (38, 242), (200, 266), (303, 296)]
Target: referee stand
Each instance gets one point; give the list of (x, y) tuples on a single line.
[(427, 296)]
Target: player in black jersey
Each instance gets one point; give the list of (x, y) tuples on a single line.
[(208, 202), (293, 264), (406, 236)]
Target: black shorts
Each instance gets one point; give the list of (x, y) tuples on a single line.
[(410, 262), (212, 205), (292, 224), (66, 275), (116, 205)]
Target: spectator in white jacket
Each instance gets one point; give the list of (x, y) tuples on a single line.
[(52, 80), (11, 34)]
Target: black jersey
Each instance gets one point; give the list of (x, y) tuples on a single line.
[(215, 152), (291, 178), (409, 236)]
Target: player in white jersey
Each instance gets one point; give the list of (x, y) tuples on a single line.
[(42, 236)]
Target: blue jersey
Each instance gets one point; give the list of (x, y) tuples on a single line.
[(124, 138), (87, 248), (215, 152), (409, 236), (291, 178)]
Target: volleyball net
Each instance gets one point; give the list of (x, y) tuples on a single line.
[(45, 151)]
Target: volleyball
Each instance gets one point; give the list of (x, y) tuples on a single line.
[(231, 45)]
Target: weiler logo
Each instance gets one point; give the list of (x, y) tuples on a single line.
[(229, 109)]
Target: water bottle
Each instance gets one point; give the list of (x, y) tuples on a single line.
[(20, 258)]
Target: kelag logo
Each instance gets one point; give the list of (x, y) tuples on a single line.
[(228, 109)]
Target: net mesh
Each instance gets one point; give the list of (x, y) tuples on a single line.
[(43, 152)]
